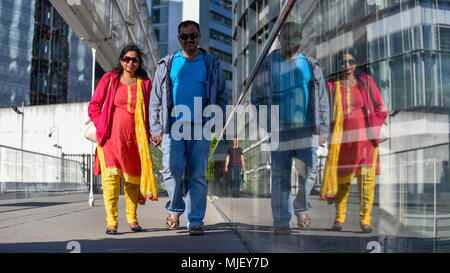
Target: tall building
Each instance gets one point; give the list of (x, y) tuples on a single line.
[(44, 62), (215, 19)]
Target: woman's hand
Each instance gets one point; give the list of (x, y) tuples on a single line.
[(322, 140), (157, 139)]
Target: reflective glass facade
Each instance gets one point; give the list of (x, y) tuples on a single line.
[(44, 61), (383, 105)]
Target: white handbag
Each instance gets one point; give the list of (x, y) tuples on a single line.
[(91, 131), (384, 133)]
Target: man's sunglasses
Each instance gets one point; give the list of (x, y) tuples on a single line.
[(347, 62), (193, 36), (127, 59)]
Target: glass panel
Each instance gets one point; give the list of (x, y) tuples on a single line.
[(389, 130)]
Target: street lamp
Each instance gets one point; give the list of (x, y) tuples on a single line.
[(14, 108)]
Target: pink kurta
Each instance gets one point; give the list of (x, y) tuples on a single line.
[(356, 149), (121, 149)]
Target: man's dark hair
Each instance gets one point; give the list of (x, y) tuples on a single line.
[(187, 23)]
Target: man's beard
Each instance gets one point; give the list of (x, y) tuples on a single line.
[(189, 49), (290, 50)]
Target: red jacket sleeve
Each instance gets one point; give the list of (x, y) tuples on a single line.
[(377, 101), (96, 104)]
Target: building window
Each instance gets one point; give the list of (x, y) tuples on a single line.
[(161, 33), (223, 3), (159, 2), (226, 57), (228, 75), (216, 17), (219, 36), (160, 15)]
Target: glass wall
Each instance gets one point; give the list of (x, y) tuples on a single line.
[(344, 127), (16, 45)]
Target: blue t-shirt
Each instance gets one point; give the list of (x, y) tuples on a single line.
[(189, 81), (291, 79)]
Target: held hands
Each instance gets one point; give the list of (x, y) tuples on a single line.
[(157, 139), (322, 140)]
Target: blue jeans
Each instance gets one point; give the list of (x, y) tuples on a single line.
[(235, 180), (305, 156), (176, 154)]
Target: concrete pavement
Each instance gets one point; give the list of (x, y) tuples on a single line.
[(66, 223)]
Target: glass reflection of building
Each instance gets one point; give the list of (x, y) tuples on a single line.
[(44, 62), (403, 45)]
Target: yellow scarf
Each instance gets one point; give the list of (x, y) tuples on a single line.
[(148, 183), (328, 188)]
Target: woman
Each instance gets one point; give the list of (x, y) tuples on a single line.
[(119, 112), (358, 114)]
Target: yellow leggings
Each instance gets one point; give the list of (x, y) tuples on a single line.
[(366, 192), (111, 191), (366, 188)]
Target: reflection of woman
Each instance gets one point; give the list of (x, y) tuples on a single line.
[(119, 112), (358, 115)]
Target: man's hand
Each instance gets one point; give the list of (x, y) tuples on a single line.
[(322, 140), (226, 169), (157, 139)]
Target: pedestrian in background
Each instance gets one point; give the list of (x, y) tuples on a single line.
[(234, 162), (182, 77), (118, 110), (358, 114)]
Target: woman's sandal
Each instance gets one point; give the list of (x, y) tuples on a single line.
[(366, 229), (337, 226), (303, 222), (138, 228), (170, 221), (112, 230)]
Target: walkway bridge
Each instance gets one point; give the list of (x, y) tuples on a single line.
[(109, 25)]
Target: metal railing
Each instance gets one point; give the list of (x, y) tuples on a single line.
[(29, 171)]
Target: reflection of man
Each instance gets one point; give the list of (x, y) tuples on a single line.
[(236, 164), (182, 77), (294, 82)]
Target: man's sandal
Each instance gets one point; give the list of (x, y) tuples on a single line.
[(170, 221), (303, 222), (196, 230)]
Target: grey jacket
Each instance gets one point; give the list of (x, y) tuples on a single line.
[(161, 98), (318, 108)]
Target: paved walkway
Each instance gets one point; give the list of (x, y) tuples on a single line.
[(67, 223)]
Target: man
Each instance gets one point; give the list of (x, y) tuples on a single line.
[(183, 79), (235, 160), (295, 83)]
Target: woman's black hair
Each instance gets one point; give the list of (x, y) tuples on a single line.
[(140, 71)]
